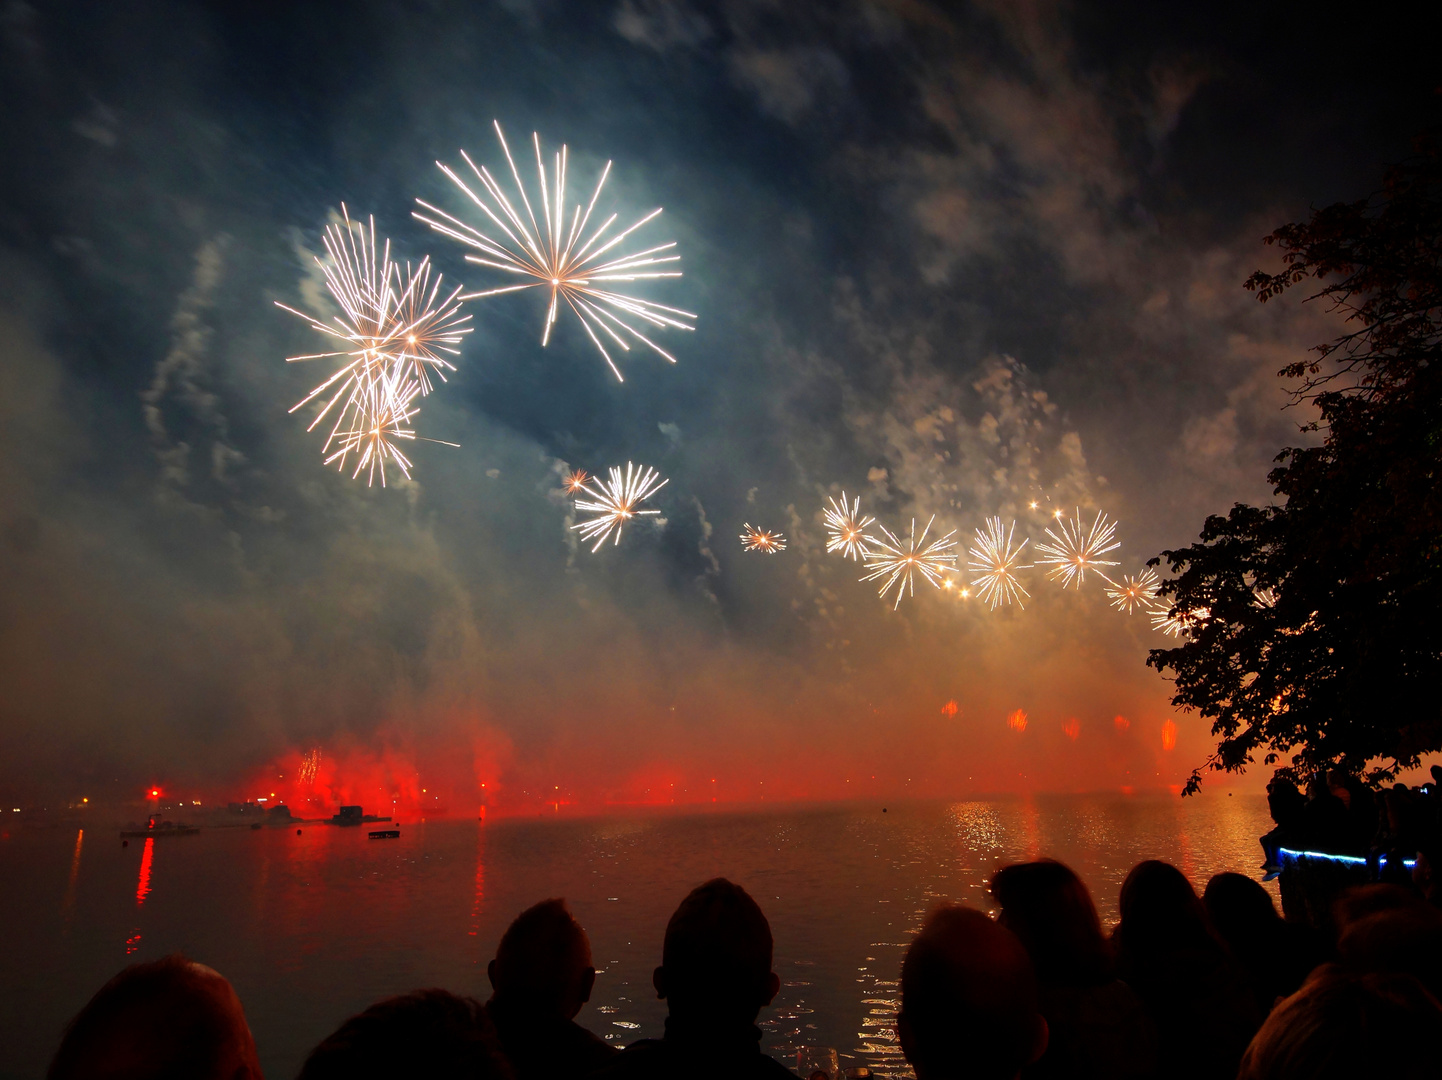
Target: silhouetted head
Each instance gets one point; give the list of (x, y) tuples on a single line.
[(1405, 939), (429, 1033), (716, 960), (1436, 771), (170, 1018), (1341, 1026), (1048, 907), (544, 961), (1361, 901), (1240, 909), (1160, 911), (968, 1000)]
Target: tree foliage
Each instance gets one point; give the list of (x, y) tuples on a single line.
[(1321, 628)]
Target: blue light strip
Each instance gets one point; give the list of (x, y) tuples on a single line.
[(1350, 860)]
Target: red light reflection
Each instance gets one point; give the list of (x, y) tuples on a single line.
[(142, 890)]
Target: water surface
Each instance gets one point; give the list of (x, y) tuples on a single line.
[(313, 927)]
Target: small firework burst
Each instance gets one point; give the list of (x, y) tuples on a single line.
[(574, 268), (1075, 549), (576, 480), (754, 539), (616, 502), (994, 563), (310, 766), (1176, 623), (895, 562), (846, 528), (1132, 593)]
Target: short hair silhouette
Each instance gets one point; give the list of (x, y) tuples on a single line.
[(1048, 907), (968, 999), (168, 1019), (544, 960), (1342, 1025), (1404, 940), (429, 1033), (716, 957)]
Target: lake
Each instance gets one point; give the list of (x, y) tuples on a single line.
[(313, 927)]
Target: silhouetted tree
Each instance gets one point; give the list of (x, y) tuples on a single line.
[(1319, 618)]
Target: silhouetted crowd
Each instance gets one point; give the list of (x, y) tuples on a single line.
[(1216, 986), (1339, 814)]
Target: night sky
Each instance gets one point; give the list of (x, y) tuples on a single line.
[(950, 258)]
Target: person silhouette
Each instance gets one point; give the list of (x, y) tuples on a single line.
[(1097, 1025), (969, 1007), (540, 978), (168, 1017), (428, 1033), (715, 977)]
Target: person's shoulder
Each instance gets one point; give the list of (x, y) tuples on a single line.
[(643, 1058)]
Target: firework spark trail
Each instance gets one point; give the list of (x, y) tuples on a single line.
[(560, 257), (846, 528), (615, 502), (1133, 592), (1078, 549), (887, 557), (1176, 623), (995, 562), (392, 332), (754, 539)]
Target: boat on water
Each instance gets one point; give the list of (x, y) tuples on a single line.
[(156, 827)]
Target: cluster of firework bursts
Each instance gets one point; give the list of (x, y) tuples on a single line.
[(397, 332)]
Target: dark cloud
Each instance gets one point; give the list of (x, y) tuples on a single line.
[(952, 259)]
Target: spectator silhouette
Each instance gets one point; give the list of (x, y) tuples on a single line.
[(429, 1033), (1277, 956), (969, 1004), (541, 977), (1097, 1024), (1389, 929), (1287, 806), (1342, 1025), (1197, 995), (166, 1018), (1325, 822), (715, 976)]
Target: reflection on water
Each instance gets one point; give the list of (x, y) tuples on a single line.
[(312, 927)]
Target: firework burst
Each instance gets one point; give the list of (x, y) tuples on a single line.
[(576, 268), (846, 528), (994, 562), (1075, 549), (896, 563), (1177, 623), (1134, 592), (754, 539), (615, 502), (392, 337), (576, 480)]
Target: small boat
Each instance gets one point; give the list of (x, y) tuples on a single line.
[(385, 834), (162, 828)]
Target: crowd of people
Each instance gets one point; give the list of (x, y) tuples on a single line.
[(1338, 814), (1185, 986)]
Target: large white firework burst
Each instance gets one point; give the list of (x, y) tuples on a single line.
[(1075, 549), (994, 563), (1134, 592), (393, 335), (576, 268), (895, 562), (616, 501), (846, 527)]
